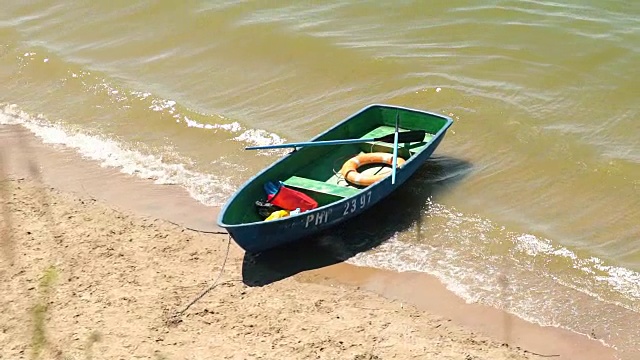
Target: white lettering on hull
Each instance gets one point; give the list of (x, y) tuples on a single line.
[(357, 203), (351, 206), (318, 218)]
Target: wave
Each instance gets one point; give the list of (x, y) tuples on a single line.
[(529, 276), (209, 189)]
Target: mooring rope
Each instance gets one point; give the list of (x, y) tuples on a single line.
[(211, 287)]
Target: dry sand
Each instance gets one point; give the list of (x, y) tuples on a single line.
[(81, 279), (84, 278)]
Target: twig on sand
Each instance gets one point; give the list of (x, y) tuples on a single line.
[(532, 352), (541, 355)]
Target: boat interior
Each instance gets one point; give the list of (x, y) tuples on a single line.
[(322, 180)]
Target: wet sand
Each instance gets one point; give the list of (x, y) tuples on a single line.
[(99, 264)]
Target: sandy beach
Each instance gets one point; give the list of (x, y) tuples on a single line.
[(88, 273)]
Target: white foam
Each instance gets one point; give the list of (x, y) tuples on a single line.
[(141, 95), (623, 280), (162, 105), (231, 127), (206, 188), (260, 138), (532, 245), (396, 255), (171, 108), (249, 136)]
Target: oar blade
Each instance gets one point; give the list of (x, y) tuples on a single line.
[(404, 137)]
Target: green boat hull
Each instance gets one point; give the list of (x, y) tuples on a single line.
[(315, 171)]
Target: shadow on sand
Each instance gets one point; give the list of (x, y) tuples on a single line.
[(362, 233)]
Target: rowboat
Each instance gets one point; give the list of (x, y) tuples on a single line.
[(316, 170)]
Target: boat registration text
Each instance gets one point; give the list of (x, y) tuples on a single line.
[(349, 207)]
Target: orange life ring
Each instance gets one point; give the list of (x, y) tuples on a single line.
[(350, 168)]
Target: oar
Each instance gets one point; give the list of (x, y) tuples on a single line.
[(396, 137), (395, 150)]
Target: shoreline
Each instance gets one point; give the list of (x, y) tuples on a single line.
[(401, 300), (64, 169), (547, 341)]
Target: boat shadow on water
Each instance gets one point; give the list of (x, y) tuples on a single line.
[(398, 212)]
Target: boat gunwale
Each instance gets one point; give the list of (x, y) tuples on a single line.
[(436, 136)]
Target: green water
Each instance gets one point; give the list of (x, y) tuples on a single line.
[(544, 150)]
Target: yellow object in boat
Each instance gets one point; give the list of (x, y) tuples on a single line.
[(277, 215)]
